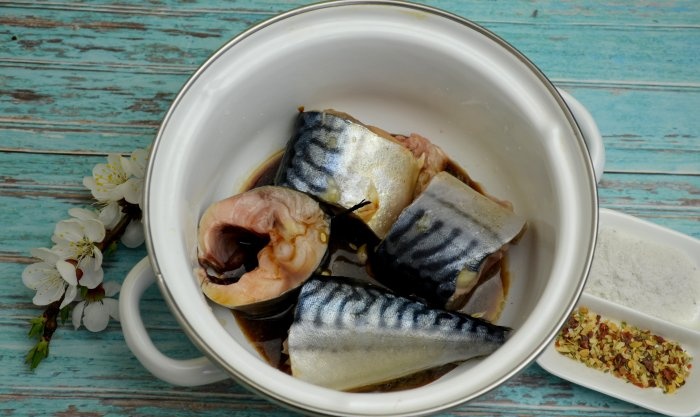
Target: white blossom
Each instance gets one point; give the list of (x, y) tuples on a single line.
[(75, 260), (94, 312), (106, 183), (76, 244), (77, 238), (44, 277), (120, 178)]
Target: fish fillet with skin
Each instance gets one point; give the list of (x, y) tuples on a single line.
[(342, 162), (347, 336), (444, 241)]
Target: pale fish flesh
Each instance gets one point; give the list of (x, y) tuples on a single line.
[(433, 158), (343, 162), (347, 335), (442, 244), (258, 245)]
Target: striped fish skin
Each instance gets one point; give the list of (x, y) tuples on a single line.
[(442, 243), (342, 162), (347, 335)]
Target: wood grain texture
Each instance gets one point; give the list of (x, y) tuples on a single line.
[(81, 79)]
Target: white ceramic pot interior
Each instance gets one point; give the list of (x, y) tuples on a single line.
[(405, 69)]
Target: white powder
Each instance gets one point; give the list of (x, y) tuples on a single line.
[(646, 276)]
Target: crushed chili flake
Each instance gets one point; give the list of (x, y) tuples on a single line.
[(635, 355)]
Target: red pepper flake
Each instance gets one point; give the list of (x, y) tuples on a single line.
[(584, 343)]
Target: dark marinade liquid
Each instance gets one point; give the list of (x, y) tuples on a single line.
[(349, 243)]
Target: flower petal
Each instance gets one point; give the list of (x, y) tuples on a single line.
[(111, 288), (130, 166), (100, 171), (114, 161), (82, 214), (136, 165), (63, 251), (132, 190), (112, 307), (89, 183), (77, 316), (35, 274), (71, 293), (91, 278), (95, 317), (69, 230), (47, 255), (46, 295), (67, 271), (133, 235), (46, 280), (107, 175), (110, 215), (94, 230), (97, 256)]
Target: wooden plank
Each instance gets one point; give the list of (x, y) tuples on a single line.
[(645, 127), (611, 12), (127, 99), (669, 129), (592, 55), (109, 40), (73, 138), (678, 192), (594, 52), (21, 169), (535, 387)]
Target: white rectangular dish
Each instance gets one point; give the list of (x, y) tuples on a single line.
[(685, 401)]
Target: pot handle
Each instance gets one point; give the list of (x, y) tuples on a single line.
[(188, 372), (590, 132)]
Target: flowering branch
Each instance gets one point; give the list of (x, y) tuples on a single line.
[(69, 279)]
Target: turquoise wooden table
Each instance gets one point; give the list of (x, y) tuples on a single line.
[(81, 79)]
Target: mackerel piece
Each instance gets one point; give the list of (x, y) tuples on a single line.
[(347, 336), (342, 162), (444, 241)]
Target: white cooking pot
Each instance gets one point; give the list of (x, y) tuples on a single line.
[(406, 68)]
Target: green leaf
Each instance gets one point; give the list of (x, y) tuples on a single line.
[(37, 328), (37, 354)]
